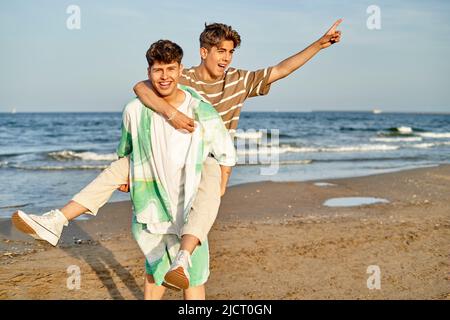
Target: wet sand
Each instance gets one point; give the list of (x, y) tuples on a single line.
[(271, 241)]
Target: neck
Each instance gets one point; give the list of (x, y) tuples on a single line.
[(176, 99), (205, 75)]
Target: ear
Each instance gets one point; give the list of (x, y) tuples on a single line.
[(203, 53), (149, 69), (181, 69)]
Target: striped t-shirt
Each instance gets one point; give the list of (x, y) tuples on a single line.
[(228, 95)]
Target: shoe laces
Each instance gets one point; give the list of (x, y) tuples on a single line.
[(49, 215), (55, 215)]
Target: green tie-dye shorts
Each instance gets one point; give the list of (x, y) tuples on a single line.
[(160, 250)]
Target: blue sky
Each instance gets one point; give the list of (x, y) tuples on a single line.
[(402, 67)]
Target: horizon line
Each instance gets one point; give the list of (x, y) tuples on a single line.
[(248, 111)]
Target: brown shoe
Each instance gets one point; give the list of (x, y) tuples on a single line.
[(177, 277)]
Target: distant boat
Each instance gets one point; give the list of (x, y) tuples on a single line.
[(13, 110), (376, 111)]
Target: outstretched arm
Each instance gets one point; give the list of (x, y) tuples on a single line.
[(151, 100), (289, 65)]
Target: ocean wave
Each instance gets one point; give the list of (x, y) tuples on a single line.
[(396, 139), (269, 150), (358, 129), (435, 135), (402, 130), (291, 149), (393, 131), (257, 135), (285, 162), (57, 168), (361, 148), (423, 145), (371, 159), (409, 131), (431, 144), (72, 155), (414, 132), (290, 162), (248, 135)]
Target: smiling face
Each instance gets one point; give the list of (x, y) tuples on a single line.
[(217, 59), (164, 77)]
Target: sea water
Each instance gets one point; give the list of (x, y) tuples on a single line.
[(46, 158)]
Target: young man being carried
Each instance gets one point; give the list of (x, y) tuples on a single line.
[(226, 89)]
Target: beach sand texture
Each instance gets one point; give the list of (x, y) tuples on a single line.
[(271, 241)]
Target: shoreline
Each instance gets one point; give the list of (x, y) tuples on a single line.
[(19, 207), (272, 240)]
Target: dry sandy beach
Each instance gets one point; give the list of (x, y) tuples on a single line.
[(271, 241)]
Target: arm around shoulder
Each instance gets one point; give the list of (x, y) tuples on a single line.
[(151, 100)]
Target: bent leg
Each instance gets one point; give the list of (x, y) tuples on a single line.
[(205, 207), (73, 209), (98, 192), (49, 226), (189, 242)]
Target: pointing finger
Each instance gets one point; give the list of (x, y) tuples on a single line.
[(334, 26)]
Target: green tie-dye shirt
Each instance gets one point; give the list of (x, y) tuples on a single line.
[(151, 204)]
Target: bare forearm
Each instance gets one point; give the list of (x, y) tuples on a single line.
[(289, 65), (151, 100)]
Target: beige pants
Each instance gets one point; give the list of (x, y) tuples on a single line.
[(204, 210)]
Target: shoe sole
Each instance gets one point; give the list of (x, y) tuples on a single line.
[(168, 286), (27, 225), (176, 278)]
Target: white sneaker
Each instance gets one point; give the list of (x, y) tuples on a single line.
[(178, 276), (47, 227)]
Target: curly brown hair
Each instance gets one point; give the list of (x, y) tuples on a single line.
[(215, 33), (164, 51)]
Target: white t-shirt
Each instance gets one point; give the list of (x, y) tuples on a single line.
[(172, 147)]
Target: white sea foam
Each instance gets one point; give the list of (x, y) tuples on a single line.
[(248, 135), (405, 130), (281, 163), (423, 145), (56, 168), (435, 135), (290, 149), (72, 155), (430, 144), (268, 150), (362, 148), (396, 139)]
